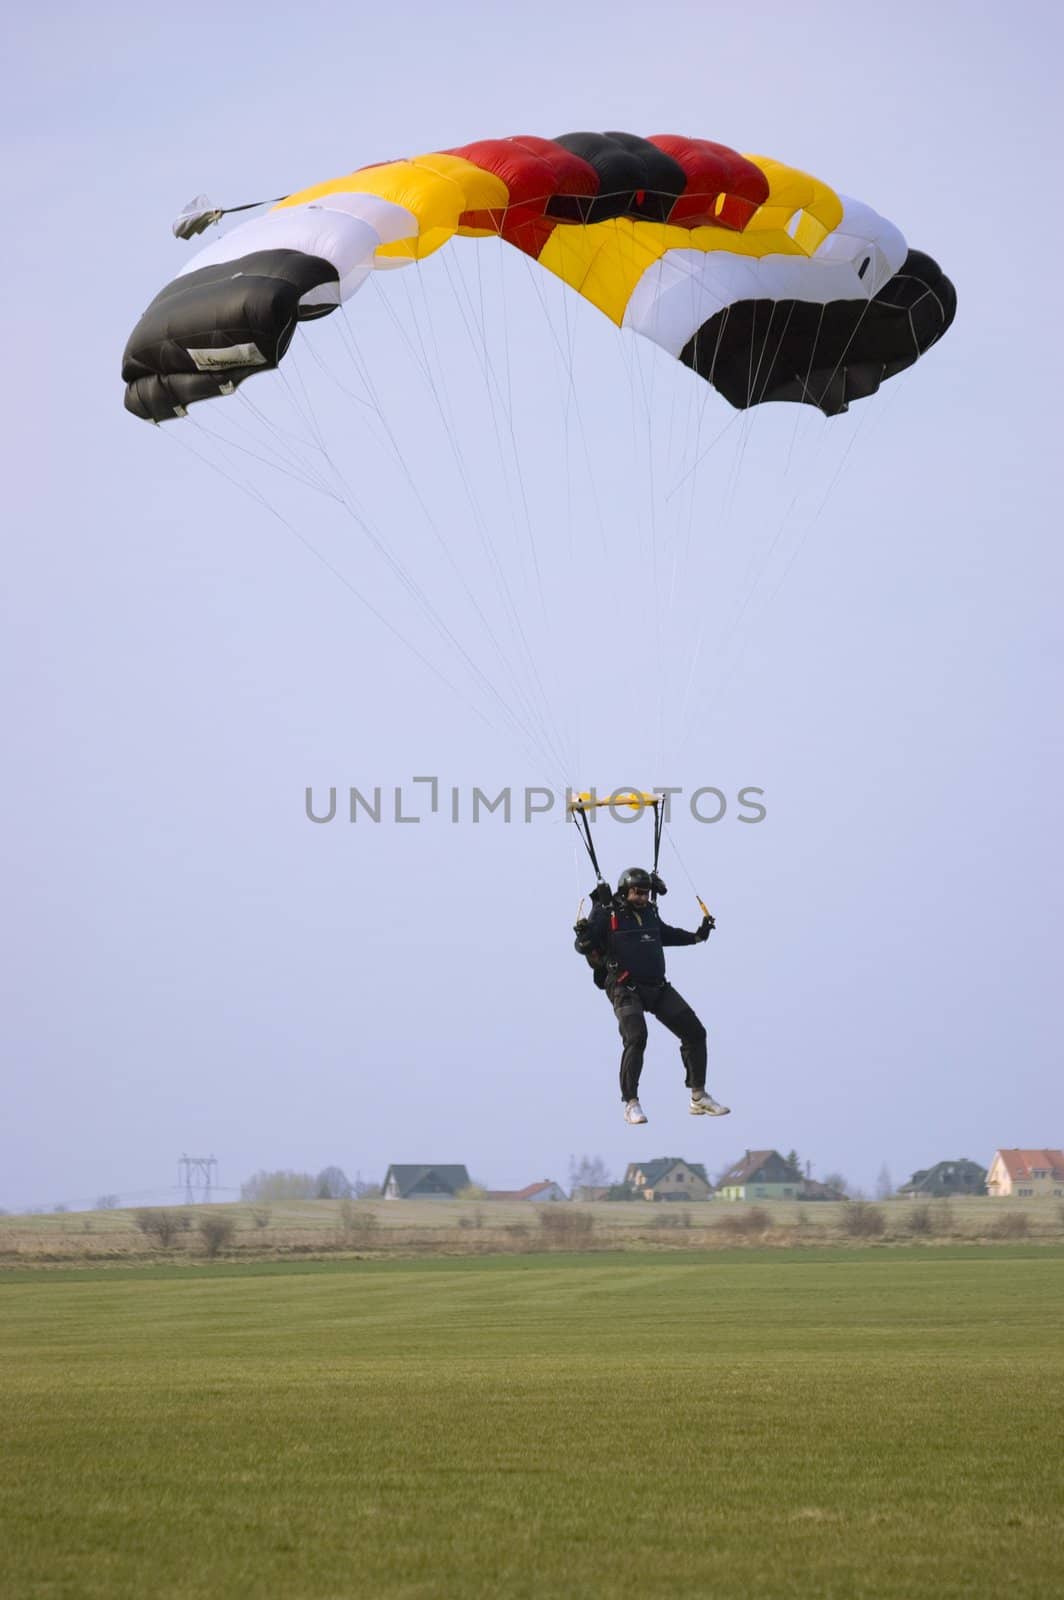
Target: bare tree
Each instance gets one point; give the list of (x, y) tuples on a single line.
[(159, 1224), (107, 1202), (279, 1186), (216, 1229), (884, 1183), (332, 1184), (862, 1221), (589, 1172), (358, 1223)]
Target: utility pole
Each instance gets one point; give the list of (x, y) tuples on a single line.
[(198, 1174)]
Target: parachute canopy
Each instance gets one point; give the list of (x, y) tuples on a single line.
[(759, 277)]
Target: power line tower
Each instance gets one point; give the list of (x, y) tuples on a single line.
[(198, 1175)]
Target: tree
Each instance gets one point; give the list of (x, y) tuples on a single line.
[(216, 1229), (159, 1224), (835, 1180), (884, 1183), (279, 1186), (107, 1202), (357, 1223), (589, 1172), (333, 1184)]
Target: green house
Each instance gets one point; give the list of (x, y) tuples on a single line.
[(760, 1175), (424, 1183), (947, 1178)]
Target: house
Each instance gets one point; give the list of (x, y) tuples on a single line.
[(668, 1178), (761, 1175), (1026, 1173), (545, 1190), (811, 1190), (424, 1183), (946, 1178)]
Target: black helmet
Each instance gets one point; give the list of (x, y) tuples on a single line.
[(634, 878)]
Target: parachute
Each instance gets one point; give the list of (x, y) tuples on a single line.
[(759, 278)]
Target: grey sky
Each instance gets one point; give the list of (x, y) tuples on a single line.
[(190, 964)]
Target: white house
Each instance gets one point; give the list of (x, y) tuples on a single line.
[(1026, 1173), (538, 1193)]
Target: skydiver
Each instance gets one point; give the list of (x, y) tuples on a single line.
[(623, 940)]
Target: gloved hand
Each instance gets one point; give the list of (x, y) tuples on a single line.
[(602, 894), (658, 884), (705, 928)]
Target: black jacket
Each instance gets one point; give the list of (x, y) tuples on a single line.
[(632, 941)]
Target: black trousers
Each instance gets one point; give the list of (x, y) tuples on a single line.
[(630, 1004)]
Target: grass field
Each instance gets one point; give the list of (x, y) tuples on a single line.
[(868, 1422), (471, 1227)]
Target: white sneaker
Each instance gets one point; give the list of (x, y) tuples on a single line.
[(704, 1105), (633, 1112)]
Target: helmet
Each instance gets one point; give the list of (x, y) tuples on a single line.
[(634, 878)]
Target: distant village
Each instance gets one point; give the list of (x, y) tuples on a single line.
[(757, 1175)]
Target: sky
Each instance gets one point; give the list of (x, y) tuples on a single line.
[(618, 582)]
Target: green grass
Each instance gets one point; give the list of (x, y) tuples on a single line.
[(789, 1423)]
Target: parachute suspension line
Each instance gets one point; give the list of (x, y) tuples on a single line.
[(549, 695), (531, 717), (732, 420), (539, 717), (881, 412), (566, 415), (659, 823), (723, 523), (775, 354), (734, 478), (493, 388), (644, 447), (299, 472), (508, 411), (686, 873), (292, 444), (570, 539), (690, 478), (606, 574), (758, 567), (845, 349), (567, 365), (570, 409), (415, 590), (805, 533), (261, 500), (717, 693), (583, 825), (684, 477), (579, 809), (800, 409)]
